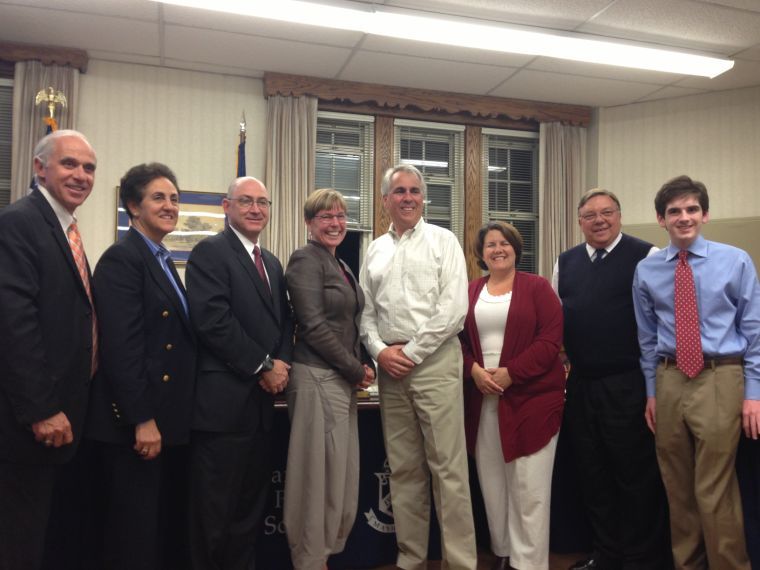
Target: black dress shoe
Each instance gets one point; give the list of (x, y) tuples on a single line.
[(501, 563), (588, 564)]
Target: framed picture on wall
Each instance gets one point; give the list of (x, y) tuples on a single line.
[(200, 216)]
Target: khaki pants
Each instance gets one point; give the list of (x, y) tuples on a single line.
[(698, 428), (423, 428), (322, 476)]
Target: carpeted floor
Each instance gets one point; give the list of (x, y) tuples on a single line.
[(485, 560)]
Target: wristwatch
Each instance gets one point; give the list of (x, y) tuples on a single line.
[(267, 365)]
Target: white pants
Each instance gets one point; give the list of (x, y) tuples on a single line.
[(517, 494)]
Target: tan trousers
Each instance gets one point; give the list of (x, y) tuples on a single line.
[(322, 476), (698, 428), (423, 428)]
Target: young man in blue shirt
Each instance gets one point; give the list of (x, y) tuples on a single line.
[(697, 306)]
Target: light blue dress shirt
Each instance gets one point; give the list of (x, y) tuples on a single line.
[(162, 254), (728, 301)]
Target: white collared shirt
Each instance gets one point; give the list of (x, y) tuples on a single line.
[(416, 290), (248, 245), (592, 253), (65, 218)]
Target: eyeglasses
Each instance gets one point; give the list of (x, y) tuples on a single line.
[(246, 203), (591, 216), (327, 218)]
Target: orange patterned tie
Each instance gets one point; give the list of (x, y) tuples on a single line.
[(77, 251), (689, 358)]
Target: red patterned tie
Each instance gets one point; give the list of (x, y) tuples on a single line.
[(260, 266), (689, 356), (77, 251)]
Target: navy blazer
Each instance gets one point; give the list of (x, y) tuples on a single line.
[(147, 348), (238, 323), (45, 332)]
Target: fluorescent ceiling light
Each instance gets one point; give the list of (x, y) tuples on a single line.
[(377, 20)]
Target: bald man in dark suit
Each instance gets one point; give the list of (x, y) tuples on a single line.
[(239, 308)]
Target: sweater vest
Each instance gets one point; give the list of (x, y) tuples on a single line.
[(600, 325)]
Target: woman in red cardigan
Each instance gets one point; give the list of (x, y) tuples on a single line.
[(514, 395)]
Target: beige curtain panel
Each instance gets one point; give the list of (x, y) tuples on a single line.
[(561, 182), (290, 169), (28, 126)]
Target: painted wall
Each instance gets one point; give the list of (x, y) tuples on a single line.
[(714, 138), (187, 120)]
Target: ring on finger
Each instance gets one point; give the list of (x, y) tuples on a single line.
[(144, 451)]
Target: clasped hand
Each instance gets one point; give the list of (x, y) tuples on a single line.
[(491, 380), (275, 380)]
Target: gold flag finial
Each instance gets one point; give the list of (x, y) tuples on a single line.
[(52, 98)]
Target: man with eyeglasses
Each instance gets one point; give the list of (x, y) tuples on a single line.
[(614, 451), (238, 304), (415, 287)]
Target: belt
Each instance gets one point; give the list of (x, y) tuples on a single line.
[(709, 362)]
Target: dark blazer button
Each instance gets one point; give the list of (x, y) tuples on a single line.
[(165, 313), (169, 346), (166, 378)]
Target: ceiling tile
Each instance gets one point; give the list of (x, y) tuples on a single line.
[(69, 29), (442, 52), (683, 23), (603, 71), (752, 53), (141, 10), (573, 89), (670, 91), (197, 18), (252, 52), (407, 71), (744, 74), (752, 5), (566, 14)]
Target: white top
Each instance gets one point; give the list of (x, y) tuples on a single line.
[(415, 288), (491, 319)]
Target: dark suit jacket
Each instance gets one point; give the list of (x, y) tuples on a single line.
[(45, 332), (238, 324), (147, 348), (327, 310)]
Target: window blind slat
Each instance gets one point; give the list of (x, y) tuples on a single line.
[(510, 188)]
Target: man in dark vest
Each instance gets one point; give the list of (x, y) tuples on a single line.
[(604, 415)]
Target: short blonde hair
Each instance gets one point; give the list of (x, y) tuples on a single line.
[(323, 199)]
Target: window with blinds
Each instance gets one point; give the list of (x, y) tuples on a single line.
[(345, 162), (510, 186), (437, 150), (6, 115)]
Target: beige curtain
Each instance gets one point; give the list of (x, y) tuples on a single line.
[(561, 182), (28, 126), (290, 169)]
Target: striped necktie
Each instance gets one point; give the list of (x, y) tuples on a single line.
[(77, 251)]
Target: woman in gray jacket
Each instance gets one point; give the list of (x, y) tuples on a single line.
[(329, 363)]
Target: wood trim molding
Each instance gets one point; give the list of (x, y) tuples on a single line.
[(383, 161), (387, 99), (473, 196), (48, 55)]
